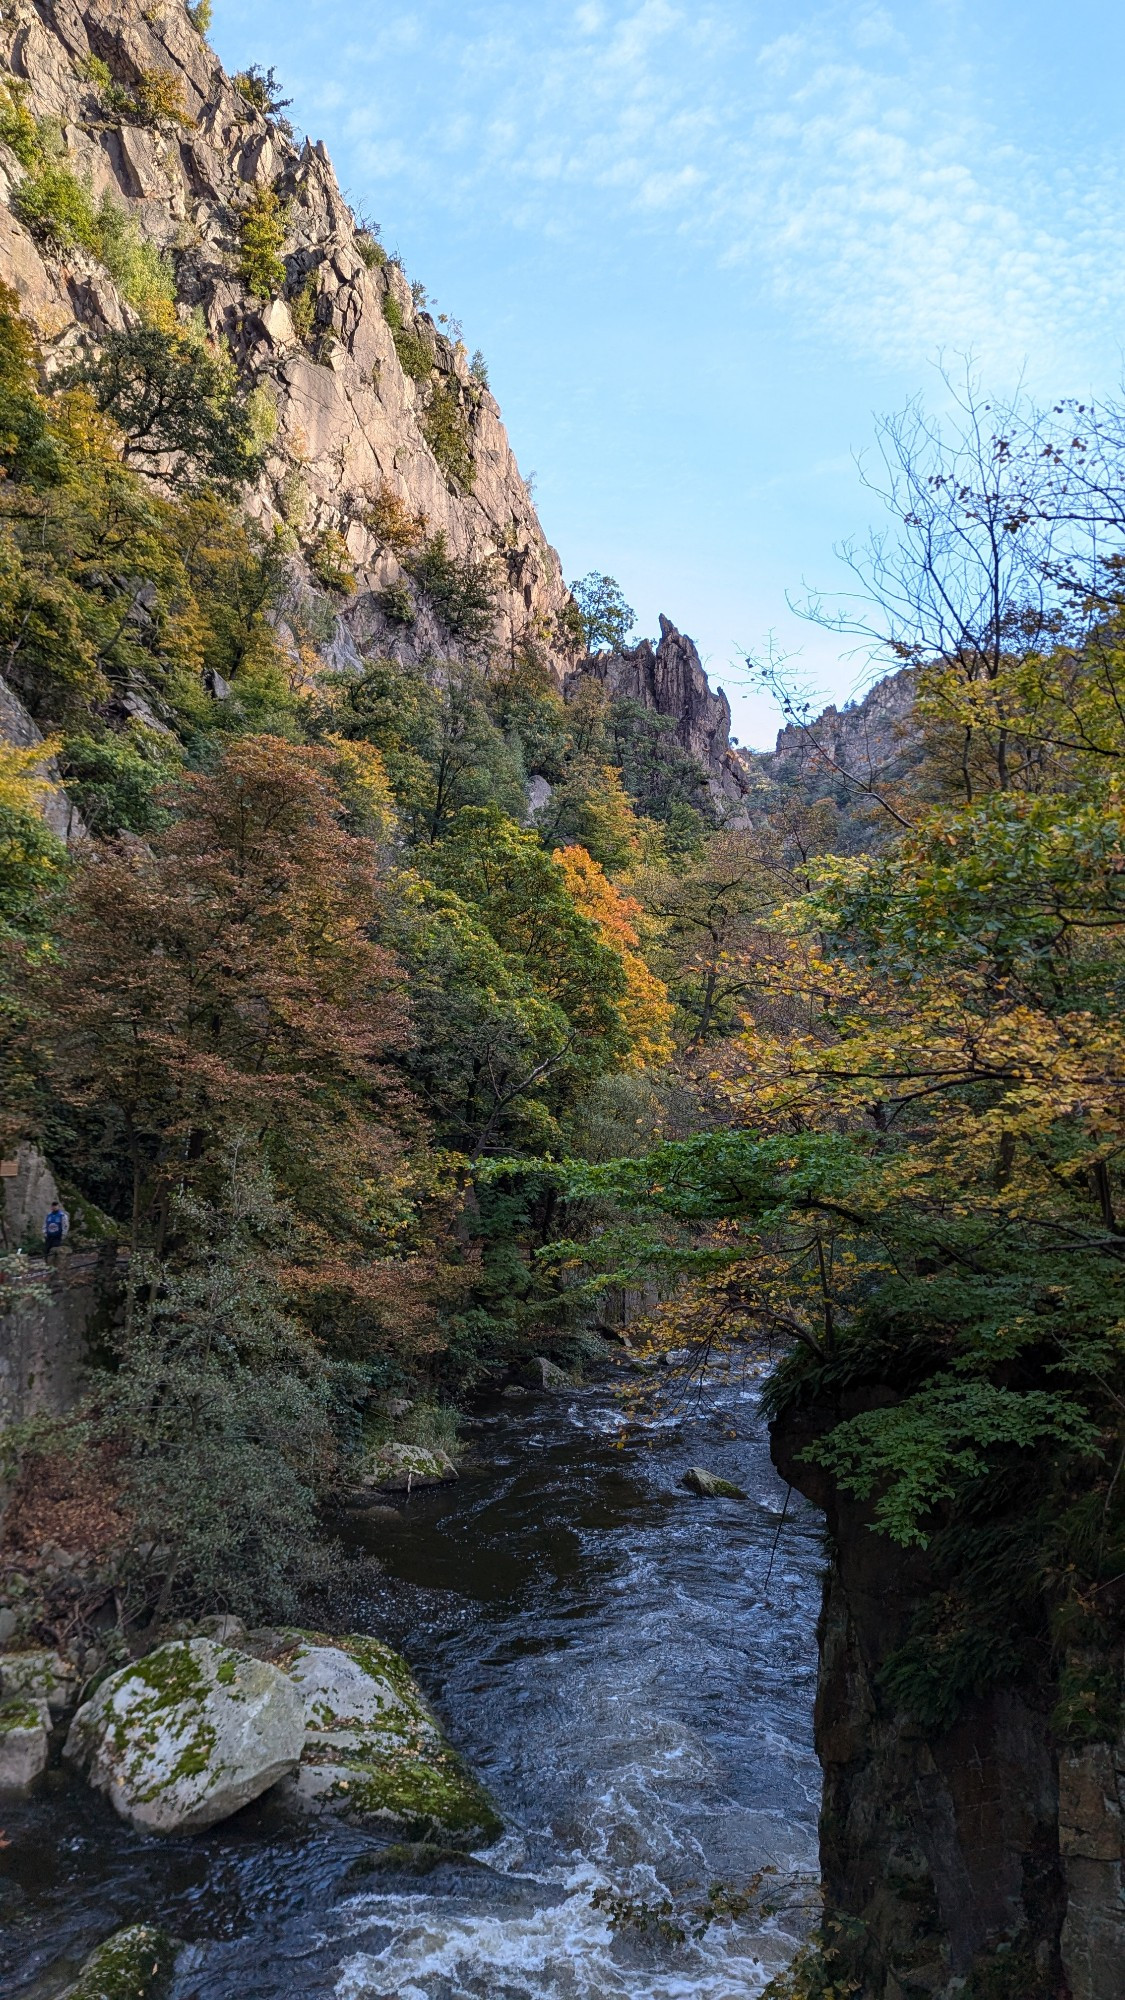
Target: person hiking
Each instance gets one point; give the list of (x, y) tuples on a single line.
[(55, 1227)]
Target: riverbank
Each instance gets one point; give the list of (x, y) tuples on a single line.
[(629, 1669)]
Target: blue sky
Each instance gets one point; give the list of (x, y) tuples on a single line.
[(702, 245)]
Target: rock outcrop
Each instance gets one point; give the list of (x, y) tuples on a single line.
[(982, 1857), (348, 419), (403, 1468), (25, 1737), (188, 1735), (670, 680), (133, 1964)]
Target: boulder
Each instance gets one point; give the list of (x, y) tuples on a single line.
[(709, 1486), (399, 1468), (543, 1374), (133, 1964), (44, 1676), (25, 1736), (375, 1752), (184, 1737)]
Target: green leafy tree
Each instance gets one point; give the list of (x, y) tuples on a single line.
[(607, 621), (177, 405)]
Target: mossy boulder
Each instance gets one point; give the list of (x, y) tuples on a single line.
[(25, 1735), (540, 1373), (708, 1486), (134, 1964), (402, 1468), (43, 1675), (375, 1752), (188, 1735)]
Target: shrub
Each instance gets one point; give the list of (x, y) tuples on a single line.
[(370, 248), (445, 427), (478, 369), (98, 72), (199, 14), (261, 91), (302, 309), (55, 206), (158, 96), (18, 128), (463, 593), (331, 563), (142, 273), (396, 603), (416, 356), (390, 520), (261, 229)]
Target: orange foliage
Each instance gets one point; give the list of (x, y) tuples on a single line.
[(645, 1006)]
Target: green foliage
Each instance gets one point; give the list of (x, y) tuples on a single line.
[(607, 620), (27, 451), (262, 93), (56, 207), (115, 779), (158, 98), (396, 603), (18, 129), (414, 350), (478, 369), (261, 233), (441, 748), (302, 309), (200, 14), (462, 591), (445, 427), (928, 1447), (369, 247), (142, 273), (32, 871), (218, 1410), (177, 405), (331, 563)]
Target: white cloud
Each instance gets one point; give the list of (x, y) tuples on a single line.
[(846, 163)]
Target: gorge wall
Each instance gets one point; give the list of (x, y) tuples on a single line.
[(345, 414), (983, 1860)]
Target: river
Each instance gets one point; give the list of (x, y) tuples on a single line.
[(629, 1668)]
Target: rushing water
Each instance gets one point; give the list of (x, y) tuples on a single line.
[(629, 1668)]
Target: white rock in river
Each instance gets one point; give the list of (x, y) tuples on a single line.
[(375, 1752), (25, 1734), (189, 1734)]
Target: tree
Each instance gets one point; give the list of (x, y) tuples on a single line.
[(224, 980), (177, 405), (713, 922), (532, 993), (645, 1007), (607, 620), (218, 1415)]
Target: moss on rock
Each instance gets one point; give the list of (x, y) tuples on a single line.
[(375, 1751), (133, 1964)]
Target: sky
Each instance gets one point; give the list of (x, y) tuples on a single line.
[(704, 246)]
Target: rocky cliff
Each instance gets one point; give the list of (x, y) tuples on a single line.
[(980, 1860), (669, 680), (856, 756), (349, 368)]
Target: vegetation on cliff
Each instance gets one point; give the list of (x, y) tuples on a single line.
[(314, 962)]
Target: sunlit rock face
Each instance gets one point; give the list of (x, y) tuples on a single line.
[(347, 418)]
